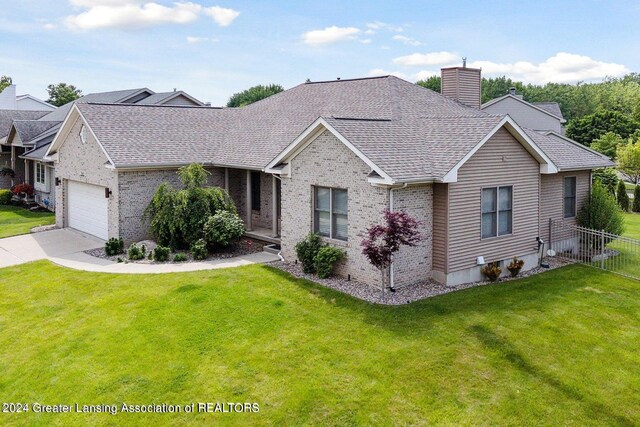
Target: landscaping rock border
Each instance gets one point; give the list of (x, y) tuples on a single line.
[(406, 294)]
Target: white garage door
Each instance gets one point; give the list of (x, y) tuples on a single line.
[(87, 208)]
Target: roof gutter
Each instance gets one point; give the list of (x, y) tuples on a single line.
[(138, 166)]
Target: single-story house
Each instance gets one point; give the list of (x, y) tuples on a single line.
[(10, 101), (330, 157), (540, 116), (28, 140)]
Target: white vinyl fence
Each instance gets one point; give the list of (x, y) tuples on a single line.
[(599, 249)]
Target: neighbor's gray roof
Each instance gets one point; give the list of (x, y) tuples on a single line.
[(406, 130), (162, 97), (28, 129), (40, 149), (8, 116), (550, 107), (566, 154)]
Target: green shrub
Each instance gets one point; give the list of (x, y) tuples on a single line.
[(607, 177), (199, 250), (307, 249), (177, 217), (222, 229), (114, 246), (622, 196), (180, 257), (325, 260), (636, 199), (161, 253), (601, 212), (136, 252), (5, 197)]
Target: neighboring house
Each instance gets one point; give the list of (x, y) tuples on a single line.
[(533, 115), (330, 157), (28, 140), (10, 101)]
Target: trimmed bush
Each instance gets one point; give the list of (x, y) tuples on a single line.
[(601, 212), (622, 196), (114, 246), (325, 260), (5, 197), (222, 229), (26, 189), (136, 252), (161, 253), (199, 250), (180, 257), (307, 249), (636, 199)]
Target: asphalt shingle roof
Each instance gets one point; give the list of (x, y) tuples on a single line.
[(568, 155), (550, 107), (8, 116), (408, 131), (28, 129)]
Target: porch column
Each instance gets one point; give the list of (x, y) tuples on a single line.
[(274, 206), (13, 163), (248, 222), (26, 171), (226, 179)]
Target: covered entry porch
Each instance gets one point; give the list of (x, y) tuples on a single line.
[(257, 197)]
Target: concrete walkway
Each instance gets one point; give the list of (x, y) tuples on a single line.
[(66, 247)]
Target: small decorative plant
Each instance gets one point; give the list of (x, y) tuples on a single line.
[(161, 253), (180, 257), (491, 271), (515, 266), (326, 259), (136, 252), (7, 171), (223, 229), (199, 250), (114, 246), (23, 190)]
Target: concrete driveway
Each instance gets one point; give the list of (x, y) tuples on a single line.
[(45, 245)]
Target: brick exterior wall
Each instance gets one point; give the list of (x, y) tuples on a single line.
[(328, 162), (85, 162), (238, 192), (136, 189), (414, 264)]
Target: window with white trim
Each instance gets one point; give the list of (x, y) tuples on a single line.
[(331, 212), (569, 197), (497, 211), (41, 175)]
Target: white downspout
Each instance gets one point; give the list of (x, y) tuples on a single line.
[(391, 270)]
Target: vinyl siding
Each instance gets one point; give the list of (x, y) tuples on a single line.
[(501, 161), (462, 84), (440, 226), (552, 197), (525, 115)]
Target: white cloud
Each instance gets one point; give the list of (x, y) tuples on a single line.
[(406, 40), (365, 41), (432, 58), (425, 74), (377, 25), (194, 40), (135, 14), (561, 68), (329, 35), (382, 72), (49, 26), (222, 16)]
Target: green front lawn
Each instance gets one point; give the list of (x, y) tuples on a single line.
[(560, 348), (15, 220), (632, 225)]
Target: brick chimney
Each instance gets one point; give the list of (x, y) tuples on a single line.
[(462, 84)]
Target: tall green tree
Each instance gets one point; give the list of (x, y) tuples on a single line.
[(628, 159), (5, 81), (62, 93), (433, 83), (607, 144), (594, 126), (622, 196), (253, 94), (499, 86), (636, 199)]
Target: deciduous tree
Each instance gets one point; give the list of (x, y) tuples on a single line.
[(62, 93), (253, 94)]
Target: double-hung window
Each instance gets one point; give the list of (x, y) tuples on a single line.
[(497, 211), (569, 197), (331, 212), (40, 174)]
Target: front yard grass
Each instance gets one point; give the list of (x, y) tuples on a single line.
[(15, 220), (560, 348), (632, 225)]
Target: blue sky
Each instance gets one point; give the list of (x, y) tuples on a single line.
[(212, 49)]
